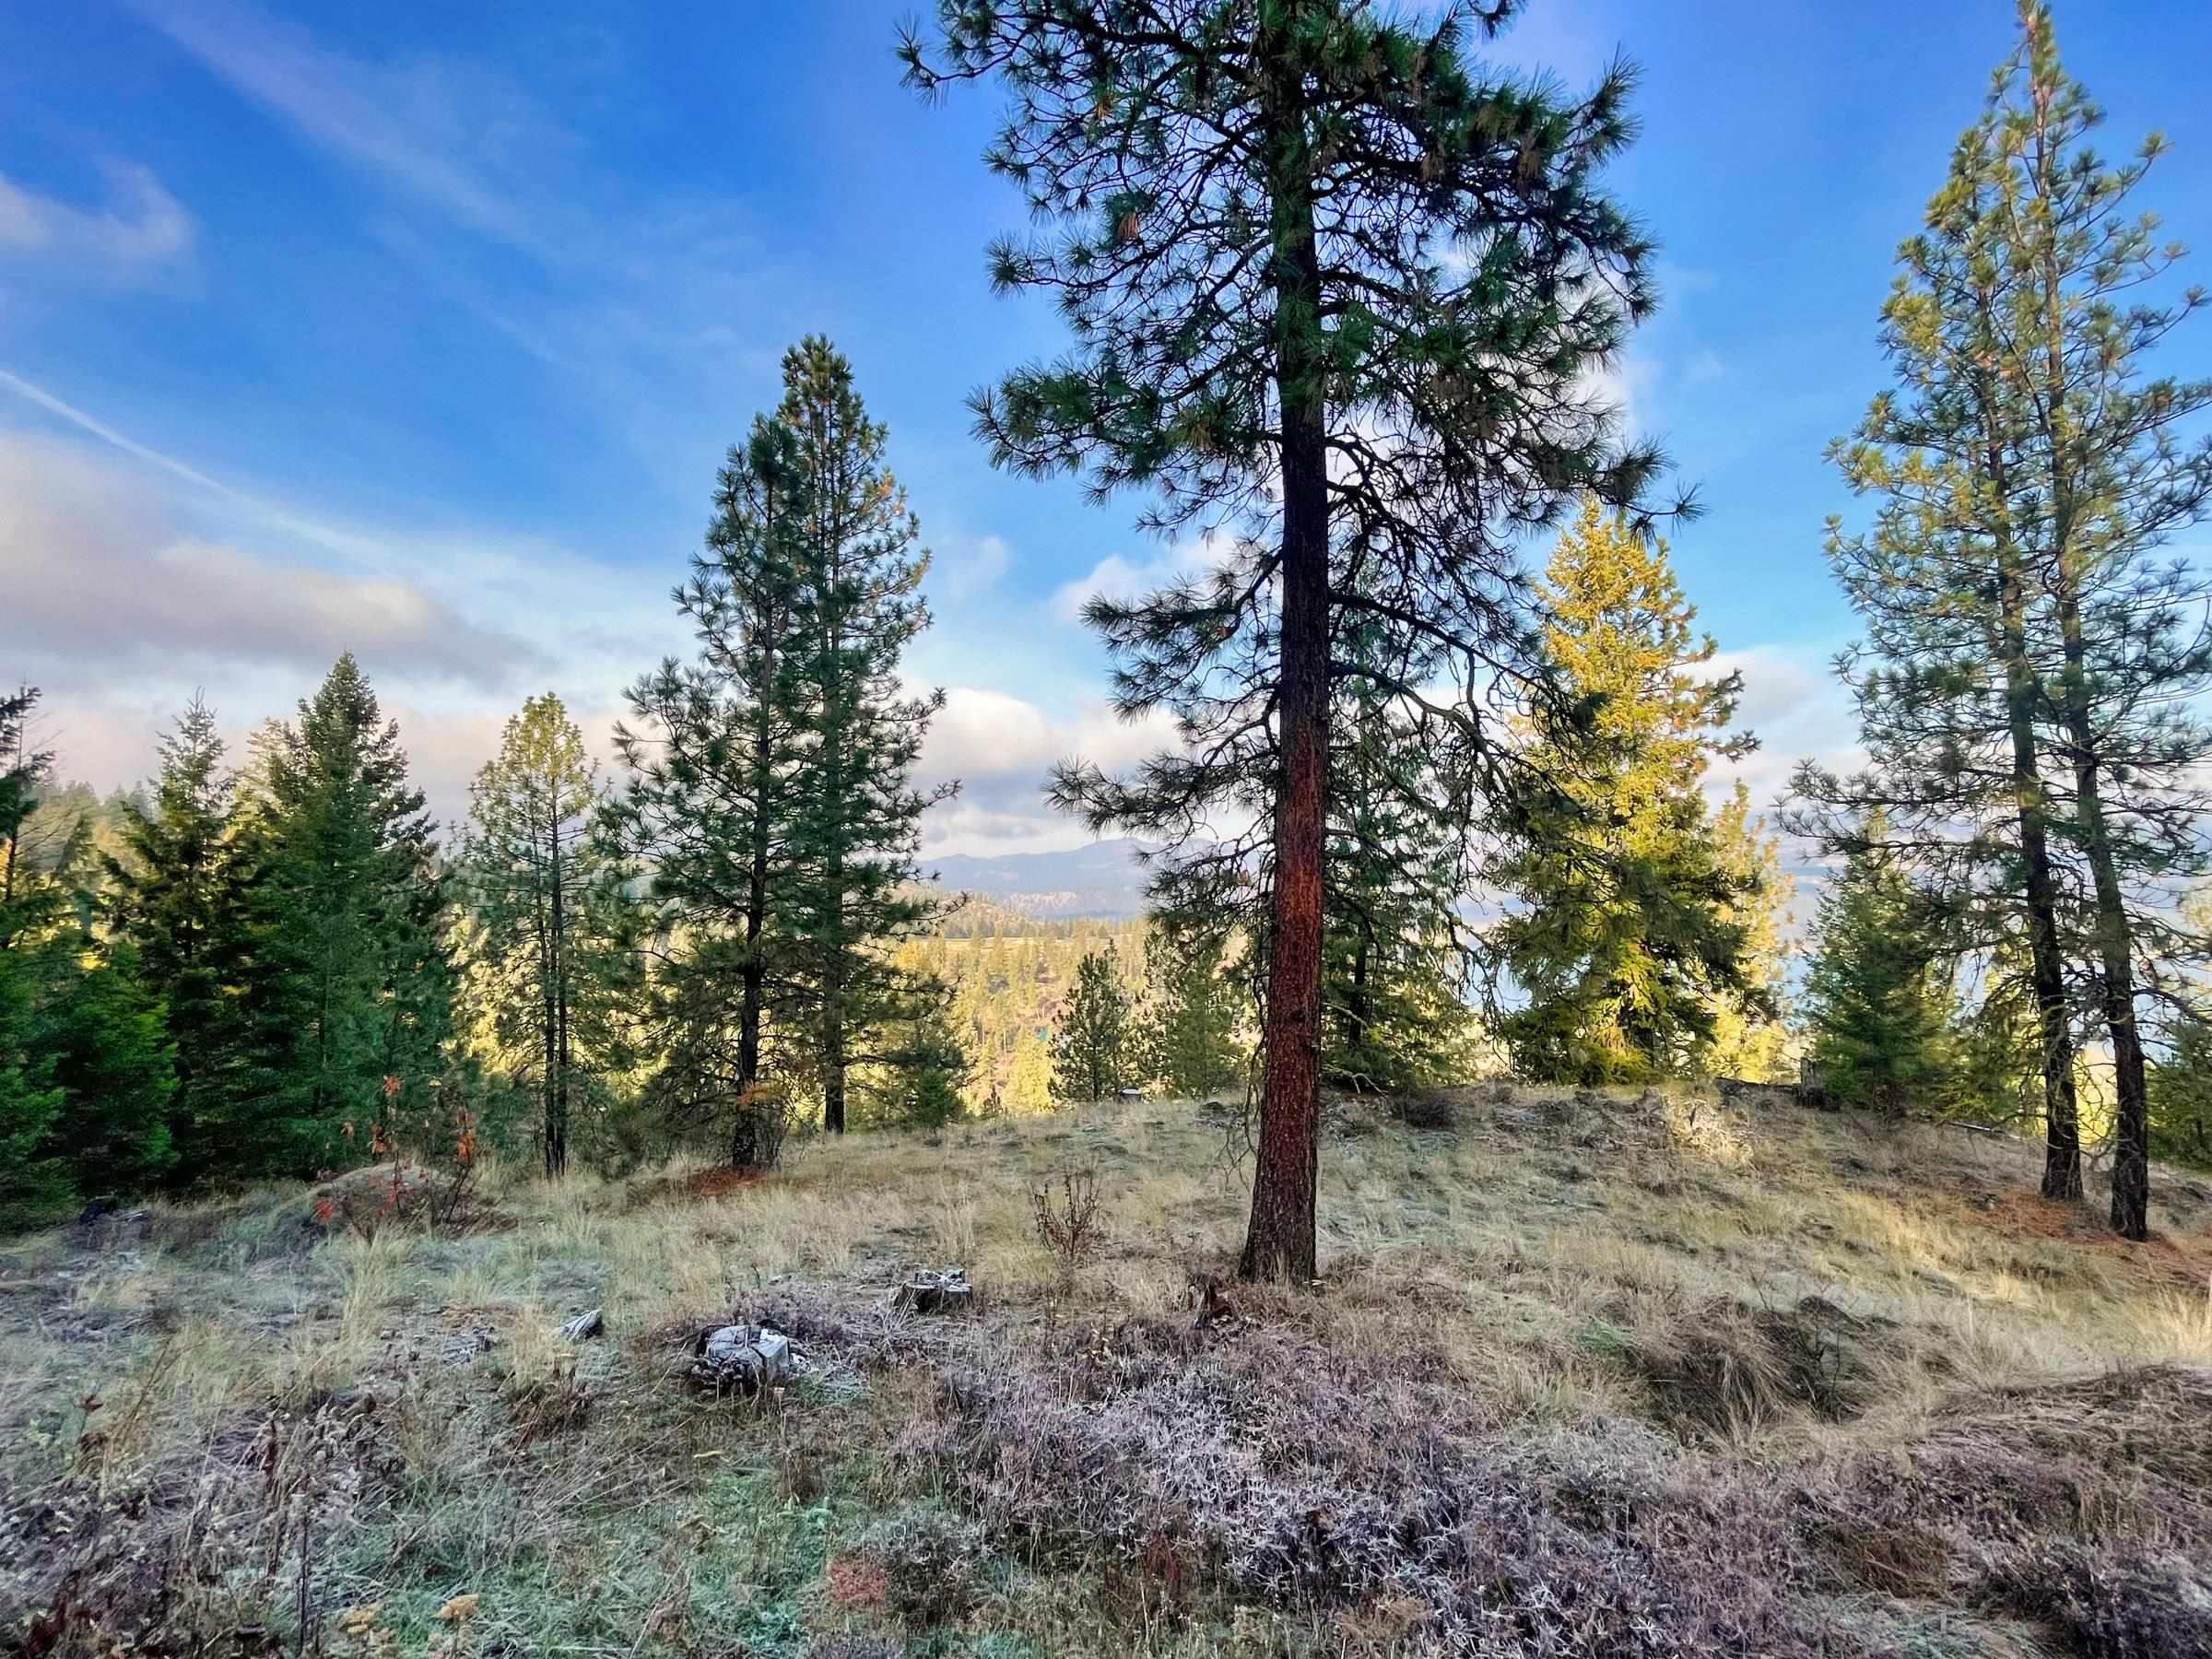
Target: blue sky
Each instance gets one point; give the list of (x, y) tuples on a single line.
[(421, 328)]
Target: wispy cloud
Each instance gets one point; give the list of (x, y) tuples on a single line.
[(276, 516), (142, 231), (1115, 577), (432, 128), (628, 301)]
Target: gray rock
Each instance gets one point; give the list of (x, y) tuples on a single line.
[(745, 1359)]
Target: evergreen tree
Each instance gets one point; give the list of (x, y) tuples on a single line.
[(178, 893), (34, 1185), (1751, 1037), (2026, 689), (916, 1076), (2107, 478), (856, 822), (1875, 1000), (2180, 1098), (712, 805), (553, 968), (1189, 1011), (1395, 950), (110, 1055), (1091, 1048), (33, 1182), (24, 770), (1625, 939), (1996, 1046), (1336, 296), (85, 1069), (352, 980)]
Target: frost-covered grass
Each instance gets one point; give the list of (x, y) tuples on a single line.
[(1586, 1372)]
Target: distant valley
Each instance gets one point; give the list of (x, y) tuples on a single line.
[(1105, 879)]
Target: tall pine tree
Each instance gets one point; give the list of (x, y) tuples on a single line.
[(2024, 691), (553, 966), (2109, 473), (856, 821), (1336, 296), (712, 747)]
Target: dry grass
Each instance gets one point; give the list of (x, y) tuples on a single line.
[(1588, 1373)]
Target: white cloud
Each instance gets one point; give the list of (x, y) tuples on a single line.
[(1627, 386), (1115, 577), (134, 578), (97, 567), (1797, 709), (1001, 748), (142, 229), (971, 565)]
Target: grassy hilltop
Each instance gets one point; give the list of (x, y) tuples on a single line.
[(1590, 1373)]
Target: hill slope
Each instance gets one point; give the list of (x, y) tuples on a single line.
[(1588, 1374)]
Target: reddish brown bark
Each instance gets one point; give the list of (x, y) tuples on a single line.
[(1279, 1242)]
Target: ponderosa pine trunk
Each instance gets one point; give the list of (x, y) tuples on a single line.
[(2046, 962), (556, 1000), (753, 980), (834, 966), (556, 1129), (2116, 948), (2113, 929), (833, 1040), (1279, 1242)]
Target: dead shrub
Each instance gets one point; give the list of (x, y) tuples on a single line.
[(929, 1559), (1426, 1108), (1702, 1127), (552, 1403), (210, 1539), (1901, 1558), (1065, 1217), (2081, 1504)]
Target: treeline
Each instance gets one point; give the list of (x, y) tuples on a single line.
[(265, 965), (253, 972)]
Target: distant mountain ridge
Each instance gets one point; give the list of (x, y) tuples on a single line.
[(1104, 879)]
